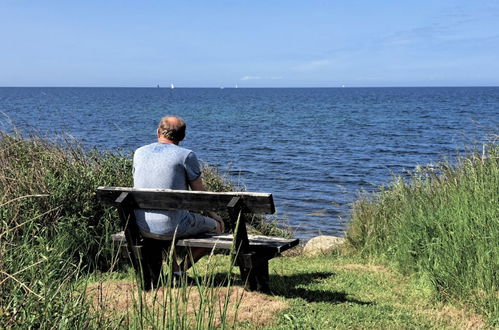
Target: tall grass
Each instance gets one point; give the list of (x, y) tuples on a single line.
[(442, 225), (210, 303), (52, 230)]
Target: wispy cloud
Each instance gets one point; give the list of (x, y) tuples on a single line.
[(455, 24), (251, 78), (440, 38), (416, 35)]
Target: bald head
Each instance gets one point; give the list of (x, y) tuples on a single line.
[(172, 128)]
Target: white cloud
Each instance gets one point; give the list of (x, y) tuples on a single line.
[(250, 78)]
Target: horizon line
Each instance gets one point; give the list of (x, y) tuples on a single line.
[(259, 87)]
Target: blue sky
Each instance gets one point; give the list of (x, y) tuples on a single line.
[(250, 43)]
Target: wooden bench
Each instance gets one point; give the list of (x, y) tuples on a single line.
[(251, 253)]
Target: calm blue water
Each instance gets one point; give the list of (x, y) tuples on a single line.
[(312, 148)]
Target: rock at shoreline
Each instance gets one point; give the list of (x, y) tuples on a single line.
[(322, 244)]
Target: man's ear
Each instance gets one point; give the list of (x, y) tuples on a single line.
[(157, 133)]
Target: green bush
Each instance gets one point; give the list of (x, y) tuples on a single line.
[(50, 186), (443, 225)]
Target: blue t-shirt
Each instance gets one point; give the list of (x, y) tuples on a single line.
[(163, 166)]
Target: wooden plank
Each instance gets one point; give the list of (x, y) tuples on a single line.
[(160, 199), (224, 242), (256, 242)]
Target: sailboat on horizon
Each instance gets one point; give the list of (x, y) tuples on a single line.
[(172, 86)]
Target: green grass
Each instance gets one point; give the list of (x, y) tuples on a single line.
[(332, 291), (441, 225), (345, 291)]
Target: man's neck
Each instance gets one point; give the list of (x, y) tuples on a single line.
[(165, 140)]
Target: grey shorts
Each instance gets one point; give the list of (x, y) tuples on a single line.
[(194, 225)]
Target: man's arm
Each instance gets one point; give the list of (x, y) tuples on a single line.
[(197, 185)]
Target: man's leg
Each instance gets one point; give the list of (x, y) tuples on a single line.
[(151, 262), (200, 224), (192, 257)]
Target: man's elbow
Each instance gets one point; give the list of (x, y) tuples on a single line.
[(197, 184)]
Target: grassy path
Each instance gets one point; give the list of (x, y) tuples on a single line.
[(345, 292)]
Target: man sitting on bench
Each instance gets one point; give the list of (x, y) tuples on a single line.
[(166, 165)]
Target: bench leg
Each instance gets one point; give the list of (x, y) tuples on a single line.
[(262, 277), (256, 278), (150, 261)]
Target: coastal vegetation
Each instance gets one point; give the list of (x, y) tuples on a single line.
[(421, 252), (441, 224), (52, 231)]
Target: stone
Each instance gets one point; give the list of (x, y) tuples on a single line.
[(322, 244)]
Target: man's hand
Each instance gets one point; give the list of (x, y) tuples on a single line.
[(217, 218), (198, 186)]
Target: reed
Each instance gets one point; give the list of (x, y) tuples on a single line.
[(442, 225), (51, 228)]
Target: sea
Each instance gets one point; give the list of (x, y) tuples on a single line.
[(314, 149)]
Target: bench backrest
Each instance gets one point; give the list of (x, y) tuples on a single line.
[(166, 199)]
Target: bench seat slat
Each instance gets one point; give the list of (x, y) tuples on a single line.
[(256, 242), (224, 242)]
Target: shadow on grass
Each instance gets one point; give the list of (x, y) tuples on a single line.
[(332, 297), (290, 287)]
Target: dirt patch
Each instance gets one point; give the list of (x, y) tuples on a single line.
[(295, 251), (458, 318), (120, 301), (364, 268)]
